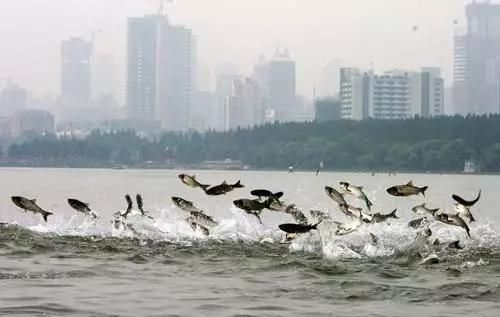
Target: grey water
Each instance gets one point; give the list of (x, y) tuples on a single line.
[(72, 266)]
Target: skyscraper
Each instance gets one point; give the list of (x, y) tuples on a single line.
[(159, 71), (282, 86), (477, 50), (75, 72)]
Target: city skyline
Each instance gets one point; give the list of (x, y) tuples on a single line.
[(323, 31)]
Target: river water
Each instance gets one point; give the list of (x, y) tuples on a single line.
[(71, 266)]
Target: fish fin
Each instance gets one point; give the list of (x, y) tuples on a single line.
[(204, 187), (436, 242), (393, 214), (472, 218), (317, 224), (410, 183), (423, 189), (33, 200), (224, 183), (369, 204), (194, 176), (45, 215), (434, 211)]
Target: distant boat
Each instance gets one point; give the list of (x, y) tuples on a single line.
[(290, 169), (119, 167)]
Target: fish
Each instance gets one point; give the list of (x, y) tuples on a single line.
[(82, 207), (266, 193), (196, 226), (355, 212), (127, 212), (336, 196), (422, 237), (140, 206), (453, 220), (298, 228), (297, 215), (462, 206), (424, 211), (252, 206), (191, 181), (406, 190), (464, 212), (30, 204), (466, 203), (343, 228), (275, 205), (203, 219), (223, 188), (319, 215), (185, 205), (417, 223), (378, 217), (357, 191)]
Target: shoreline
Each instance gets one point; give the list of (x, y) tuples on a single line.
[(195, 168)]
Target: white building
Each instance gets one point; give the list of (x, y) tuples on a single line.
[(395, 94)]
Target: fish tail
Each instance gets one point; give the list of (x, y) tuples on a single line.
[(423, 189), (204, 187), (467, 229), (393, 214), (238, 184), (45, 215)]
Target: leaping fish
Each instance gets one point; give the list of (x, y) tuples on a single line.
[(82, 207), (406, 190), (462, 207), (453, 220), (191, 181), (223, 188), (140, 206), (357, 191), (30, 204)]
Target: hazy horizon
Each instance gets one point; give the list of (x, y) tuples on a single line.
[(358, 32)]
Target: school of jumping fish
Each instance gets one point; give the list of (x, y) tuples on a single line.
[(200, 221)]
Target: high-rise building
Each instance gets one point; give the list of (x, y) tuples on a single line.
[(12, 99), (245, 105), (393, 95), (477, 48), (223, 90), (282, 86), (75, 72), (160, 72)]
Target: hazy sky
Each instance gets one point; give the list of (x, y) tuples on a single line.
[(359, 32)]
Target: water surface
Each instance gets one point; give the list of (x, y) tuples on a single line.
[(72, 266)]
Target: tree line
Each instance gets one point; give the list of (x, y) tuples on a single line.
[(438, 145)]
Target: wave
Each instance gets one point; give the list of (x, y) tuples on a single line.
[(395, 241)]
